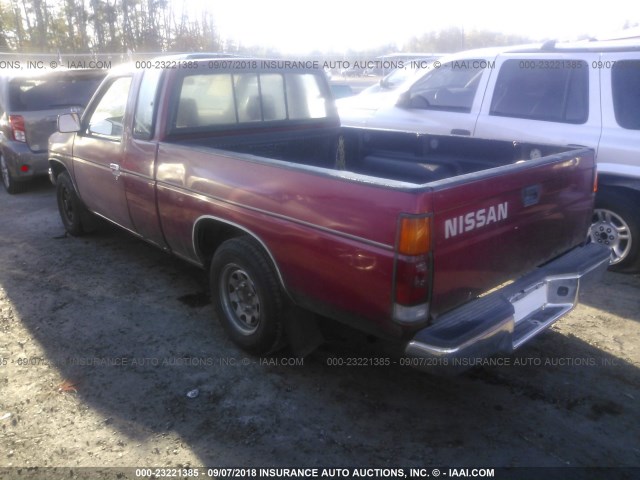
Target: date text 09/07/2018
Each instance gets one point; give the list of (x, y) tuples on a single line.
[(241, 64), (330, 473)]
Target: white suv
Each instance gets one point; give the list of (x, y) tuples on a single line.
[(584, 93)]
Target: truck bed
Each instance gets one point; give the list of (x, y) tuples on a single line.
[(405, 157), (422, 159)]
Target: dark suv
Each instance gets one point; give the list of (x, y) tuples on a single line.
[(29, 108)]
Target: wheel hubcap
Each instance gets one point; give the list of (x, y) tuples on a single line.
[(240, 299), (609, 229)]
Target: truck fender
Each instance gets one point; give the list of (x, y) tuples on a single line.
[(204, 246), (56, 167), (618, 181)]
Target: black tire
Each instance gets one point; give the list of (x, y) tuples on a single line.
[(10, 184), (73, 213), (247, 297), (616, 223)]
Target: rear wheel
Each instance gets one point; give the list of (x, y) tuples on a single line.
[(9, 182), (73, 213), (616, 224), (247, 296)]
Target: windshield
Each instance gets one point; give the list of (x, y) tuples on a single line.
[(400, 75), (451, 86)]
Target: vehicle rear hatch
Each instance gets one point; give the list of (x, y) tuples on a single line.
[(35, 102), (495, 225)]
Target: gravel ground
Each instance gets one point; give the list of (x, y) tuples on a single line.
[(103, 337)]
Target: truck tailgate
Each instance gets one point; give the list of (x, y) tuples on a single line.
[(494, 226)]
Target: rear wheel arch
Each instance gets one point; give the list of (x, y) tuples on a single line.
[(627, 184), (618, 208), (210, 232)]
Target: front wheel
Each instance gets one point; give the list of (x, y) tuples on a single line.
[(246, 295), (73, 213), (616, 224)]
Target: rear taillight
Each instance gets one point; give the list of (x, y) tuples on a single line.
[(414, 236), (412, 270), (17, 128), (595, 182), (412, 280)]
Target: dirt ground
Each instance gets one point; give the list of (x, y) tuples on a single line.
[(102, 337)]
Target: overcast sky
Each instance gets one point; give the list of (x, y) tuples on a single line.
[(296, 26)]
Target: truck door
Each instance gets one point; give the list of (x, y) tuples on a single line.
[(618, 200), (138, 169), (98, 153), (618, 151), (445, 101)]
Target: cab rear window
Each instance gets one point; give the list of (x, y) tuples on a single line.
[(224, 99)]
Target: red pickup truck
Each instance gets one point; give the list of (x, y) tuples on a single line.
[(458, 247)]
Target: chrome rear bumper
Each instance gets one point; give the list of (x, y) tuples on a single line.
[(509, 317)]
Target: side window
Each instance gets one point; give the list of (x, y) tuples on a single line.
[(205, 100), (625, 82), (248, 97), (145, 106), (274, 106), (107, 119), (305, 99), (451, 87), (548, 90), (260, 97)]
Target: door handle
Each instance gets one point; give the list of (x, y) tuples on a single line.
[(461, 131), (115, 169)]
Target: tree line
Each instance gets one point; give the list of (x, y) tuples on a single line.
[(454, 39), (105, 26), (138, 26), (126, 26)]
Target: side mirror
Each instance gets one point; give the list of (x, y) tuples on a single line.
[(68, 123)]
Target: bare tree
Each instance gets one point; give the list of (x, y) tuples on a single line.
[(107, 26), (4, 44)]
